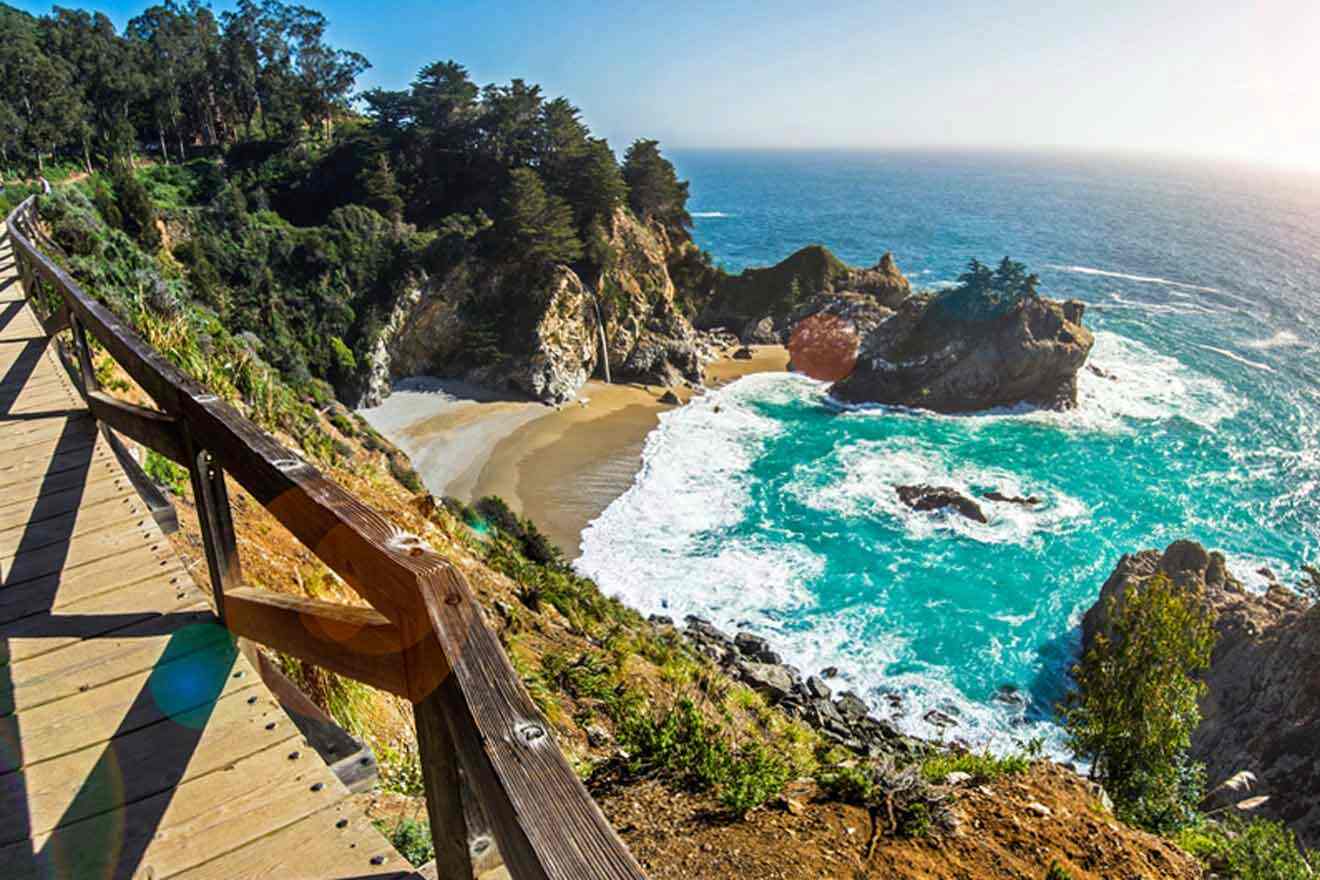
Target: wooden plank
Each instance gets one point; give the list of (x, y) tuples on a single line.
[(27, 432), (98, 714), (324, 850), (53, 558), (93, 662), (59, 502), (62, 588), (153, 759), (236, 806), (104, 524), (37, 634), (357, 642), (30, 399), (91, 473), (67, 439)]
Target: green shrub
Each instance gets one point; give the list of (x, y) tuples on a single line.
[(1057, 872), (1135, 705), (410, 837), (137, 213), (403, 472), (983, 767), (1258, 849), (695, 751), (165, 473)]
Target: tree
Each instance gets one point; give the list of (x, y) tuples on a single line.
[(1135, 705), (381, 189), (538, 227), (596, 183), (654, 190)]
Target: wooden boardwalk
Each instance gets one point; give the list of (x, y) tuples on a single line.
[(136, 740)]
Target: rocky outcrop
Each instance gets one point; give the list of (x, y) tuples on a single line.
[(845, 719), (941, 498), (539, 335), (765, 302), (926, 356), (1261, 711)]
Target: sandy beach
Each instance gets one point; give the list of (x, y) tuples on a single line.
[(559, 466)]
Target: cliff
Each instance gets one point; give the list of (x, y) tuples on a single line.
[(1261, 710), (929, 354), (758, 303), (539, 334)]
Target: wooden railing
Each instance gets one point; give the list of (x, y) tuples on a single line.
[(488, 758)]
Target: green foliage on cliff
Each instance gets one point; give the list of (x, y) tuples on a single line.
[(775, 290), (654, 190), (1135, 704), (984, 293), (1249, 850)]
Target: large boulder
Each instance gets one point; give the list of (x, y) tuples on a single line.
[(927, 356), (923, 497), (1261, 710)]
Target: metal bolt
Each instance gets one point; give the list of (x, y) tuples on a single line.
[(342, 823), (530, 732), (317, 786), (270, 725), (252, 700)]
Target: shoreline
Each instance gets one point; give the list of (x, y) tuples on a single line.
[(558, 466)]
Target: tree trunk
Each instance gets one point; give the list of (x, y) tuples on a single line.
[(164, 153), (41, 164)]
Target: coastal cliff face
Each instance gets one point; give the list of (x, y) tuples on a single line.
[(1261, 711), (922, 356), (760, 304), (539, 336)]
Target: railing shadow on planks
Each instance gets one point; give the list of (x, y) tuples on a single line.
[(488, 758)]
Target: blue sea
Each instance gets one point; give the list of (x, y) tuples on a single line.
[(766, 506)]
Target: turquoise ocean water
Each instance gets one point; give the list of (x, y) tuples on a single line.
[(777, 513)]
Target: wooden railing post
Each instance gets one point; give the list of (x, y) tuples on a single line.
[(215, 522), (442, 780), (84, 351)]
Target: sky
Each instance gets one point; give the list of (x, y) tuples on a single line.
[(1208, 78)]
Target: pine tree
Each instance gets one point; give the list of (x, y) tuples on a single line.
[(654, 190), (381, 189), (538, 227)]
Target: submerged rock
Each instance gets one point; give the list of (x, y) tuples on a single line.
[(932, 356), (670, 398), (1261, 709), (925, 497), (1028, 501)]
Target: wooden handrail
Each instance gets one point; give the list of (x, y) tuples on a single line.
[(426, 638)]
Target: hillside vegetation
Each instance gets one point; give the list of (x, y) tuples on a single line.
[(218, 188)]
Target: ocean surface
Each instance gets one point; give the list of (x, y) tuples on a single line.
[(766, 506)]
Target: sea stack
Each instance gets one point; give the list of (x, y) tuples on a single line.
[(935, 355)]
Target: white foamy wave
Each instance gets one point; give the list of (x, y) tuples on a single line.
[(1233, 356), (862, 479), (1282, 339), (1143, 279), (1251, 571), (1135, 383), (1122, 381), (709, 215), (653, 544)]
